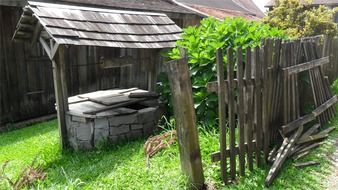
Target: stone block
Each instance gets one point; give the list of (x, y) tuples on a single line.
[(134, 134), (71, 128), (136, 126), (148, 129), (150, 103), (84, 132), (73, 143), (100, 135), (84, 145), (146, 115), (80, 119), (101, 123), (68, 121), (113, 138), (118, 130), (123, 119)]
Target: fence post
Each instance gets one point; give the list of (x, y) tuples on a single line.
[(184, 113)]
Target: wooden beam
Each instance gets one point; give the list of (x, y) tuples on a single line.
[(60, 106), (310, 117), (62, 63), (184, 113), (45, 47), (332, 101), (305, 164), (306, 66), (310, 131), (53, 47), (282, 157)]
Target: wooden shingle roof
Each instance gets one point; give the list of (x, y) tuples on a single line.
[(74, 25), (148, 5), (166, 6)]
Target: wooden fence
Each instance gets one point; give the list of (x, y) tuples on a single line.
[(260, 96)]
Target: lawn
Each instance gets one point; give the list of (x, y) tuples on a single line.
[(124, 166)]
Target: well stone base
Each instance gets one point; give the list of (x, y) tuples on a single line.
[(84, 133)]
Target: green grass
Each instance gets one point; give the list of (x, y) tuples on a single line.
[(124, 167), (117, 167)]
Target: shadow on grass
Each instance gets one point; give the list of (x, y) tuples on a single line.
[(18, 135)]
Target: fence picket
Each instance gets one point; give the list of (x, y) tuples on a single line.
[(221, 113), (249, 103), (231, 112), (240, 109)]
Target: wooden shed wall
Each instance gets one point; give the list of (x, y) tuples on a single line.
[(26, 90), (26, 83)]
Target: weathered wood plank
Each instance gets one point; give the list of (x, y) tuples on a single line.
[(184, 112), (279, 161), (63, 74), (221, 114), (231, 113), (265, 101), (310, 117), (258, 106), (60, 105), (310, 131), (306, 66), (305, 164), (305, 149), (240, 99), (249, 112)]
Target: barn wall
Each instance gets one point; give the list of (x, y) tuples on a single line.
[(85, 72), (25, 74)]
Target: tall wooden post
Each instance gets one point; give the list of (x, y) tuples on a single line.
[(60, 95), (184, 112)]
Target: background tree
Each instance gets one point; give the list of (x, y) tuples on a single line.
[(301, 19)]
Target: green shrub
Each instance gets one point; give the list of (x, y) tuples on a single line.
[(201, 43), (301, 19)]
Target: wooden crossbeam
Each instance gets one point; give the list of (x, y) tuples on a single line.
[(310, 117), (46, 47), (53, 48), (216, 156), (306, 66)]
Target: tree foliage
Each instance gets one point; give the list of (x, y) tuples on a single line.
[(301, 19), (201, 43)]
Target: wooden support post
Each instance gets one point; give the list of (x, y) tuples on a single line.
[(184, 112), (60, 101), (63, 76)]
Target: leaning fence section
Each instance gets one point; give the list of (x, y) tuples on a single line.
[(259, 103), (248, 105)]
